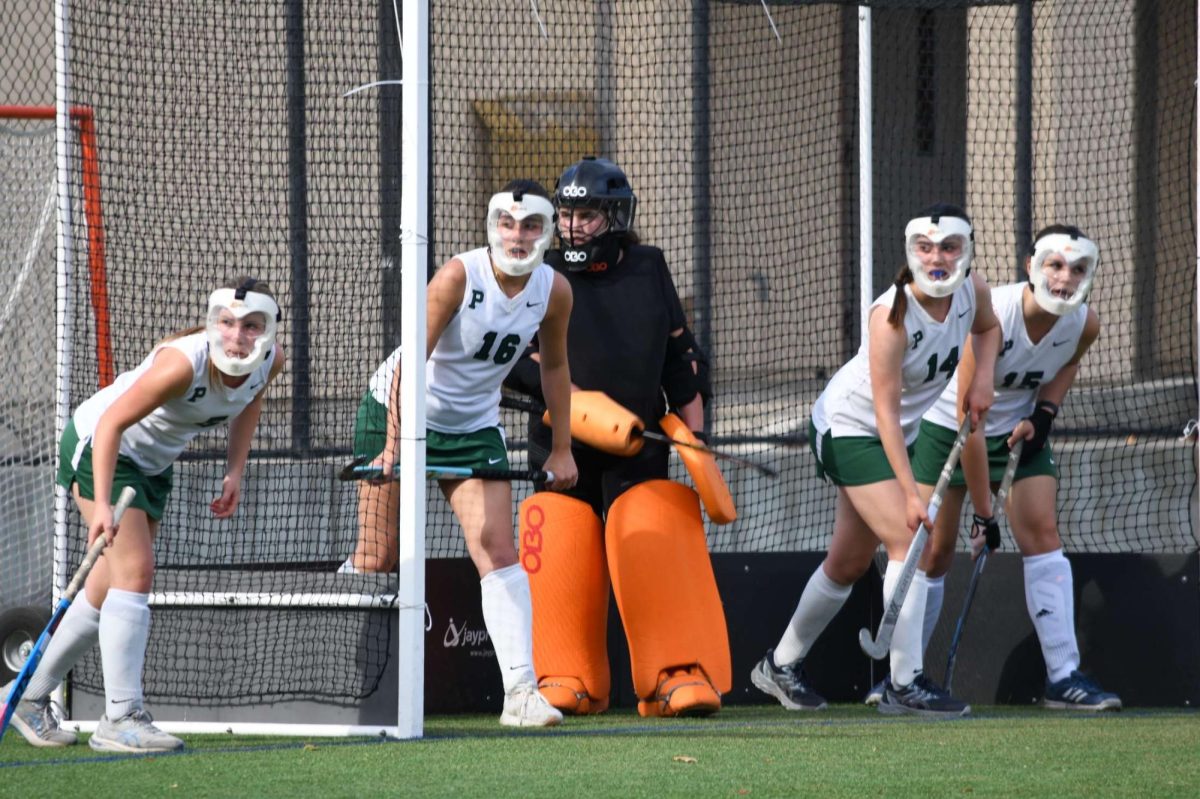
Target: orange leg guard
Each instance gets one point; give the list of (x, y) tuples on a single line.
[(562, 551), (663, 580)]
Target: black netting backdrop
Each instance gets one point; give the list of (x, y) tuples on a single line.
[(227, 146)]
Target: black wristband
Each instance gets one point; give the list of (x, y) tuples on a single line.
[(1042, 419), (1048, 406), (989, 528)]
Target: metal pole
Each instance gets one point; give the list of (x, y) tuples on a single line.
[(60, 571), (866, 188), (414, 255)]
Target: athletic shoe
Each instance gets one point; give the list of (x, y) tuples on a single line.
[(133, 732), (875, 695), (788, 684), (922, 697), (524, 706), (37, 720), (1077, 692)]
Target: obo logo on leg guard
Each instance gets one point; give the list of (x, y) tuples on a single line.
[(531, 539)]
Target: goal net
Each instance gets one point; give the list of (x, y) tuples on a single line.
[(265, 139), (28, 213)]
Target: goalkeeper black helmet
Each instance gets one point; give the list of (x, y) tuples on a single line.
[(600, 185)]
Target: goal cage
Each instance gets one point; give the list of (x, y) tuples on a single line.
[(776, 149)]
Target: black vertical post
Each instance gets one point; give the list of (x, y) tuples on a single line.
[(604, 82), (390, 174), (1146, 267), (701, 174), (851, 231), (298, 227), (1023, 179)]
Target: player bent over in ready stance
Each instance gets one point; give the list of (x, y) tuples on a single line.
[(862, 432), (1046, 328), (130, 434)]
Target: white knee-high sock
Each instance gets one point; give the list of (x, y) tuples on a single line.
[(508, 616), (933, 607), (906, 655), (124, 633), (820, 601), (1050, 597), (78, 630)]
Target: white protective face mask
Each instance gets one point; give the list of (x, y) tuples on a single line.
[(519, 207), (1074, 250), (240, 306), (944, 228)]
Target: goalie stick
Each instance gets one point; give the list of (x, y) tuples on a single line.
[(35, 656), (1010, 471), (878, 646), (530, 406)]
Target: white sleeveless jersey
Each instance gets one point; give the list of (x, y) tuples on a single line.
[(1021, 367), (154, 442), (846, 407), (477, 350)]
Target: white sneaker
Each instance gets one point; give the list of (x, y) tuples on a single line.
[(37, 721), (133, 732), (524, 706)]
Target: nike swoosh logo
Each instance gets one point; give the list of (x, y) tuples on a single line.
[(532, 304), (1056, 343), (256, 385), (964, 313), (493, 462)]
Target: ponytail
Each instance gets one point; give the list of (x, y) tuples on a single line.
[(900, 303)]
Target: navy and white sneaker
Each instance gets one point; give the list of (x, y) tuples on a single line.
[(1077, 692), (788, 684), (922, 697), (875, 695)]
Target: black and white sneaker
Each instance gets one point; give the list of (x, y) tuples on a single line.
[(922, 697), (1077, 692), (875, 695), (788, 684)]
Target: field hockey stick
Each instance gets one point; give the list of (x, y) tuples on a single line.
[(360, 469), (1010, 471), (878, 646), (530, 406), (39, 648)]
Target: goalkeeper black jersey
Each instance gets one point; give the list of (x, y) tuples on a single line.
[(617, 338)]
